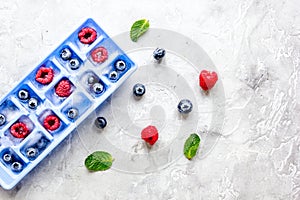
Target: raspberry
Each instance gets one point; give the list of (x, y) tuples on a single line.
[(51, 122), (99, 55), (207, 79), (19, 130), (63, 88), (150, 134), (44, 75), (87, 35)]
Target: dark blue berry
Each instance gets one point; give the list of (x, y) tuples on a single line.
[(74, 63), (73, 113), (100, 122), (23, 95), (120, 65), (42, 143), (139, 89), (32, 103), (2, 119), (185, 106), (16, 166), (113, 75), (32, 152), (65, 54), (91, 80), (7, 157), (98, 88), (159, 53)]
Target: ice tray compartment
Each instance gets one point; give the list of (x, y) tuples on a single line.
[(19, 130), (44, 75), (65, 95), (76, 107), (34, 147), (93, 84), (62, 90), (8, 112), (90, 24), (28, 97), (12, 161), (51, 122), (67, 57)]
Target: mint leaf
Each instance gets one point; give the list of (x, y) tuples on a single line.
[(98, 161), (191, 146), (138, 28)]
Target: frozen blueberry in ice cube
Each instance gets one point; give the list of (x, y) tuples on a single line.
[(2, 119), (32, 103), (7, 157), (98, 88), (65, 54), (16, 166), (31, 152), (42, 143), (23, 95), (113, 75), (73, 113), (74, 63), (120, 65)]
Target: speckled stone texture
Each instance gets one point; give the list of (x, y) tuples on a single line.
[(256, 48)]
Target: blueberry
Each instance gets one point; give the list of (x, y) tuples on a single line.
[(32, 103), (113, 75), (139, 89), (185, 106), (42, 143), (7, 157), (2, 119), (23, 94), (159, 53), (74, 63), (32, 152), (100, 122), (16, 166), (73, 113), (91, 80), (65, 54), (120, 65), (98, 88)]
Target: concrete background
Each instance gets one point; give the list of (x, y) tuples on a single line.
[(256, 48)]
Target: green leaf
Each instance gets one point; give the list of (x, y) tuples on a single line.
[(191, 146), (138, 28), (98, 161)]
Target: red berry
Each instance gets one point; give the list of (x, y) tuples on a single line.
[(150, 134), (63, 88), (19, 130), (207, 79), (44, 75), (51, 122), (87, 35), (99, 55)]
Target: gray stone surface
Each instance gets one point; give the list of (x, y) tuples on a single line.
[(256, 47)]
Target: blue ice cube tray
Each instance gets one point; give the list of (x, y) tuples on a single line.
[(85, 73)]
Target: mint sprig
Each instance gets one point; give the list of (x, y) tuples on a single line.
[(191, 146), (138, 28), (98, 161)]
